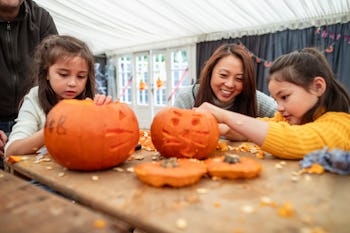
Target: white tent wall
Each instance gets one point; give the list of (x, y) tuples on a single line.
[(119, 26), (138, 28)]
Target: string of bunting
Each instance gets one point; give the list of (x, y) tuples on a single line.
[(322, 33)]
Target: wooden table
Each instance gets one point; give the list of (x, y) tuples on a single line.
[(25, 207), (276, 201)]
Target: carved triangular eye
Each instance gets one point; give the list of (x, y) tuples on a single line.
[(175, 121), (122, 115), (196, 121)]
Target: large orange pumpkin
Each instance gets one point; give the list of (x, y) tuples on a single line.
[(80, 135), (184, 133)]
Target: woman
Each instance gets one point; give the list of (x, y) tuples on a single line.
[(228, 81)]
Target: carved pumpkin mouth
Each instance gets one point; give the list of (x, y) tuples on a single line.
[(115, 140)]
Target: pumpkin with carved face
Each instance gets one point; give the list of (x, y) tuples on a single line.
[(81, 135), (184, 133)]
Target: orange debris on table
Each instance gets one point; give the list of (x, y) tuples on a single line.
[(286, 210), (14, 158), (315, 168), (248, 147), (222, 146), (146, 141)]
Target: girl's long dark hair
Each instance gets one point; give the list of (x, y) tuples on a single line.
[(300, 68), (245, 102), (47, 53)]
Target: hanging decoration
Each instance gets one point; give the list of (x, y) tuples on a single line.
[(124, 89), (178, 84), (335, 37), (332, 35), (330, 49), (142, 86), (159, 83)]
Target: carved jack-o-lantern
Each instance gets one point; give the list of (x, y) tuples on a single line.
[(184, 133), (80, 135)]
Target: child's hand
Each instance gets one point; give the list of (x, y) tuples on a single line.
[(100, 99), (216, 111), (3, 140), (224, 129)]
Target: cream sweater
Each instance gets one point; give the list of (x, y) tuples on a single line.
[(332, 129), (31, 118)]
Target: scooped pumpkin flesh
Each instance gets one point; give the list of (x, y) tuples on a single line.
[(233, 168), (172, 172)]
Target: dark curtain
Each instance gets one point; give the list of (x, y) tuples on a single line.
[(333, 40)]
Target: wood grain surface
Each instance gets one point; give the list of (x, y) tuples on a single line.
[(27, 208), (276, 201)]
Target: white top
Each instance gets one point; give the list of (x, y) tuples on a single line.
[(31, 118)]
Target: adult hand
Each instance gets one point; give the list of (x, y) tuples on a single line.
[(100, 99), (3, 140)]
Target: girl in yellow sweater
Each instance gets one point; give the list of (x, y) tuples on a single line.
[(313, 109)]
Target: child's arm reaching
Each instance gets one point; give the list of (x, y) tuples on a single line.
[(230, 134), (28, 145), (253, 129)]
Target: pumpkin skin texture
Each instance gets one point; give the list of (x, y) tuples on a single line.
[(246, 168), (80, 135), (187, 172), (184, 133)]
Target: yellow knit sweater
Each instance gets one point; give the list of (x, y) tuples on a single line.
[(332, 129)]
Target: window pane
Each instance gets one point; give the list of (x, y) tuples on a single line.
[(179, 70), (124, 76), (159, 79), (142, 79)]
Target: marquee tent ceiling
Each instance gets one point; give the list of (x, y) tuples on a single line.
[(117, 26)]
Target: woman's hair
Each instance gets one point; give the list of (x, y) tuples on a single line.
[(47, 53), (300, 68), (245, 102)]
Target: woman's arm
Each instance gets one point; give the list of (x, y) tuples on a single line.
[(184, 98), (267, 106)]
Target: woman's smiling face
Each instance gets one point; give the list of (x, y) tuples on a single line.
[(227, 79)]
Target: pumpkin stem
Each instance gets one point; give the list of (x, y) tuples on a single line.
[(232, 158), (171, 162)]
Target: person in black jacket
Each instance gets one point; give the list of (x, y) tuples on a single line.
[(23, 25)]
